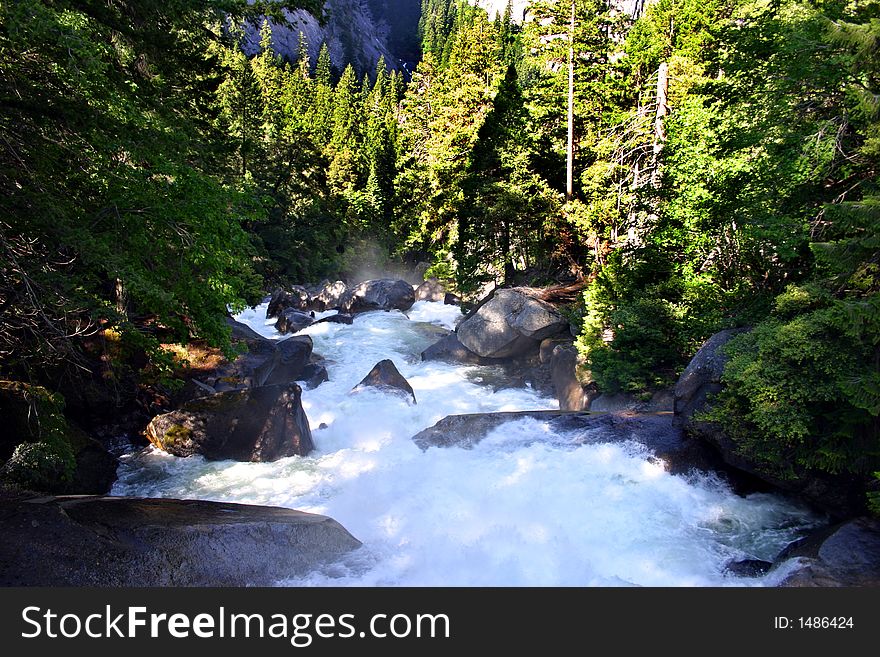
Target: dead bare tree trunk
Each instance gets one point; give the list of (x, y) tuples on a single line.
[(569, 152), (662, 111)]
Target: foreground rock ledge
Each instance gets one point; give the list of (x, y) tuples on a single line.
[(119, 541)]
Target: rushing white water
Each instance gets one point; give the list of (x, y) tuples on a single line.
[(524, 507)]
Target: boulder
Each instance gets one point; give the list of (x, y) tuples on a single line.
[(451, 299), (510, 324), (268, 363), (386, 377), (572, 396), (379, 294), (132, 542), (296, 297), (242, 331), (450, 350), (329, 296), (254, 424), (657, 432), (846, 554), (314, 374), (291, 320), (95, 470), (431, 290), (702, 377), (545, 350)]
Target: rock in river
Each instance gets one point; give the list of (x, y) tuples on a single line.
[(265, 423)]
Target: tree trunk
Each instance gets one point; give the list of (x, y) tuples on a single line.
[(569, 153), (662, 111)]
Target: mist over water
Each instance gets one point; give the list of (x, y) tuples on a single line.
[(524, 507)]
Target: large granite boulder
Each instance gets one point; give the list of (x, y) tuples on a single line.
[(240, 331), (329, 296), (264, 362), (449, 349), (386, 377), (132, 542), (296, 297), (846, 554), (379, 294), (431, 290), (510, 324), (253, 424), (702, 377)]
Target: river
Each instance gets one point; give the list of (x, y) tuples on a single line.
[(525, 507)]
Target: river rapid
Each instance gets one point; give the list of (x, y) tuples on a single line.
[(525, 507)]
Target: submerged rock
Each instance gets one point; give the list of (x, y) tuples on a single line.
[(385, 376), (379, 294), (112, 541), (339, 318), (655, 431), (748, 568), (254, 424), (291, 321)]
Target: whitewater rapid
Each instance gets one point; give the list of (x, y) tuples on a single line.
[(525, 507)]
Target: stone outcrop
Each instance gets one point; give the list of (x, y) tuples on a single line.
[(379, 294), (841, 496), (563, 373), (133, 542), (253, 424), (385, 376), (265, 362), (450, 350)]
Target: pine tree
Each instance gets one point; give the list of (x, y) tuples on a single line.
[(322, 116)]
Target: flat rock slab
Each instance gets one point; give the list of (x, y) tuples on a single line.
[(655, 431), (118, 541)]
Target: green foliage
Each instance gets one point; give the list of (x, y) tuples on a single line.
[(114, 203), (790, 399), (34, 424)]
